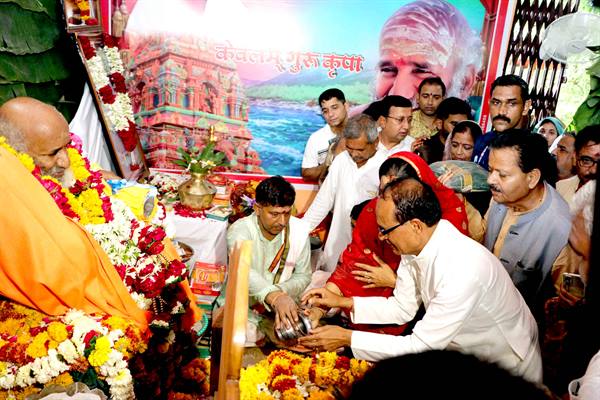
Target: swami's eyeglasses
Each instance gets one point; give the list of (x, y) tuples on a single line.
[(385, 232)]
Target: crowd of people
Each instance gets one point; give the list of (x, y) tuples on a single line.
[(442, 237), (412, 261)]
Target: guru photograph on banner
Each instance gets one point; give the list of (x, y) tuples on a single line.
[(250, 72)]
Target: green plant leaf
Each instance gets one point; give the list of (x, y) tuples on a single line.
[(48, 92), (181, 163), (8, 91), (594, 70), (31, 5), (53, 7), (585, 116), (33, 68), (25, 32), (593, 101)]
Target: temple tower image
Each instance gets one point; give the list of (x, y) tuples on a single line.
[(179, 90)]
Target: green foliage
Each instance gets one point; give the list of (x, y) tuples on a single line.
[(588, 112), (31, 5), (579, 99), (37, 59), (201, 162), (33, 68), (26, 32), (90, 378)]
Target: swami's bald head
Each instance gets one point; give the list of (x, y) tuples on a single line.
[(44, 131)]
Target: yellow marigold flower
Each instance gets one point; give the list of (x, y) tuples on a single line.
[(140, 346), (124, 346), (3, 366), (302, 369), (320, 395), (37, 348), (292, 394), (27, 161), (28, 391), (11, 326), (250, 378), (100, 353), (78, 167), (2, 342), (58, 331), (117, 323), (63, 379), (359, 367), (22, 339)]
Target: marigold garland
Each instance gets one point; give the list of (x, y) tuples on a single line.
[(86, 201), (55, 345), (285, 375)]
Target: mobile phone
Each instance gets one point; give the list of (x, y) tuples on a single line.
[(573, 284)]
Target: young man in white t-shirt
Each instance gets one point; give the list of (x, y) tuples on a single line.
[(335, 111)]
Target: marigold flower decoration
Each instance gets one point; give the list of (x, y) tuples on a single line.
[(285, 375), (38, 350), (86, 201), (133, 247)]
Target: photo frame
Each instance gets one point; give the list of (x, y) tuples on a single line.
[(82, 16), (111, 105)]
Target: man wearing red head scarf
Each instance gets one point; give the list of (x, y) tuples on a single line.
[(367, 278)]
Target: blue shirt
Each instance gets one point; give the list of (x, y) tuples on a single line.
[(481, 152)]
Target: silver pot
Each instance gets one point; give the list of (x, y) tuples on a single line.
[(299, 329)]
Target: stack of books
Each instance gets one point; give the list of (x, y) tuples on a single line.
[(206, 282), (219, 213)]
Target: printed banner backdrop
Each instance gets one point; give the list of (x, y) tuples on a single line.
[(252, 70)]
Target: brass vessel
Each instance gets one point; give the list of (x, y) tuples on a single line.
[(197, 193)]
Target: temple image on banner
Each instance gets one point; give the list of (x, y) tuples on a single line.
[(179, 91)]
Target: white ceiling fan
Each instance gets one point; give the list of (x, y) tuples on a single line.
[(572, 38)]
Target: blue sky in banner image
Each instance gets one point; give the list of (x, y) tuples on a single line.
[(283, 112)]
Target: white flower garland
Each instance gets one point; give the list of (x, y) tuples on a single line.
[(43, 369)]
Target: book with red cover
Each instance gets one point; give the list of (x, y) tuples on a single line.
[(207, 279)]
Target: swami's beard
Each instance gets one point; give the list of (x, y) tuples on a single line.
[(65, 176)]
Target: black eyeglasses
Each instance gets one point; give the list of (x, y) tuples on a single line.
[(385, 232), (585, 161)]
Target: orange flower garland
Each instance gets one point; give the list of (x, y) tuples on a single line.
[(86, 201), (288, 376)]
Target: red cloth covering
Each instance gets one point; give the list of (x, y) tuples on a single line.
[(366, 236)]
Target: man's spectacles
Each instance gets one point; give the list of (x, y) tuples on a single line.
[(398, 119), (385, 232), (587, 162)]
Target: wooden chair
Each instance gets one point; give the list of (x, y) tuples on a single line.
[(234, 323)]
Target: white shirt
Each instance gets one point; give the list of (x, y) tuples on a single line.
[(315, 151), (588, 386), (344, 184), (404, 145), (471, 306)]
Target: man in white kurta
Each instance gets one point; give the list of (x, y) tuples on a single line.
[(280, 269), (348, 181), (471, 303)]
